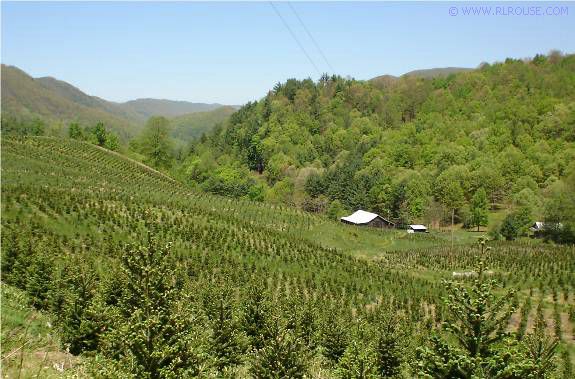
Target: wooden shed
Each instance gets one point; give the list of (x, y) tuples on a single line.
[(417, 229)]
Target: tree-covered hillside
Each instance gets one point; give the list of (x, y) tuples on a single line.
[(192, 125), (47, 105), (56, 103), (147, 108), (411, 149)]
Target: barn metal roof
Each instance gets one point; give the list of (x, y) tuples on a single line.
[(360, 217), (418, 227)]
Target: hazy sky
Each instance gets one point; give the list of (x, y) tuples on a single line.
[(235, 52)]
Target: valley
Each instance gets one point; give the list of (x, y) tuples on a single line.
[(287, 190)]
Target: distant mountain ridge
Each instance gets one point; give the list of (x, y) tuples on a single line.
[(56, 100), (429, 73), (193, 125), (167, 108), (75, 95)]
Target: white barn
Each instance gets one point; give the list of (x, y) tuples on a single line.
[(364, 218)]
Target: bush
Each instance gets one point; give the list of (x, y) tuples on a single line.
[(516, 224), (335, 210)]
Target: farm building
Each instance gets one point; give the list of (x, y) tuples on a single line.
[(539, 227), (416, 229), (367, 219)]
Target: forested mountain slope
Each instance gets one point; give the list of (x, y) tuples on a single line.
[(54, 101), (192, 125), (51, 100), (75, 95), (412, 150), (428, 73), (431, 73), (146, 108)]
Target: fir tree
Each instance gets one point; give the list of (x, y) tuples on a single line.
[(334, 338), (388, 349), (152, 335), (357, 362), (283, 356), (39, 279), (540, 350), (476, 321), (226, 342), (10, 254), (100, 134), (255, 315), (79, 322)]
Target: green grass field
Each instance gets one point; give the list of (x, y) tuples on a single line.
[(371, 242)]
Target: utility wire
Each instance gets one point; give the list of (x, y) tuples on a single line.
[(311, 37), (295, 38)]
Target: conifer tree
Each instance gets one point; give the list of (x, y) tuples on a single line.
[(17, 260), (283, 355), (334, 338), (38, 279), (358, 362), (388, 349), (476, 322), (226, 342), (255, 314), (79, 323), (152, 334), (10, 255), (100, 134), (540, 350)]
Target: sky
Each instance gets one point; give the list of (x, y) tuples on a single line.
[(232, 53)]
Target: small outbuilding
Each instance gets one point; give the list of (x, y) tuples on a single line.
[(537, 226), (416, 229), (364, 218)]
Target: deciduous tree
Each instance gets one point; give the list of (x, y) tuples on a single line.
[(479, 209), (155, 142)]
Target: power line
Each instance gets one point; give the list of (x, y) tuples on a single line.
[(311, 37), (295, 38)]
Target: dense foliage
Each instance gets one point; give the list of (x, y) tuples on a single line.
[(411, 149), (145, 278)]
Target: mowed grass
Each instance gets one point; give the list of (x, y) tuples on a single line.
[(372, 242)]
